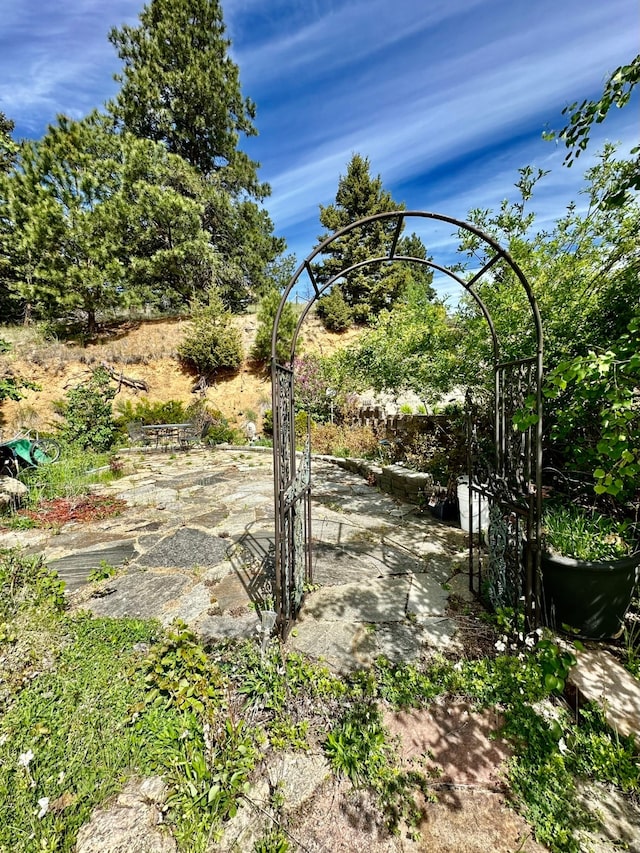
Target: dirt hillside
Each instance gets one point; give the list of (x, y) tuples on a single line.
[(146, 351)]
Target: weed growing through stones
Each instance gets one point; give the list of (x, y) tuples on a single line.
[(103, 571), (273, 841), (358, 747), (26, 582)]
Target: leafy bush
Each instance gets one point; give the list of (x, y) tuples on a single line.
[(333, 311), (11, 386), (213, 343), (220, 432), (88, 413), (597, 418), (27, 581), (300, 425), (146, 412)]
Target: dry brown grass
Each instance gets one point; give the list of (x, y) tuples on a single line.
[(143, 350)]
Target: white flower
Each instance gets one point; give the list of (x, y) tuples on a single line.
[(500, 646), (43, 802), (25, 758), (529, 641), (562, 746)]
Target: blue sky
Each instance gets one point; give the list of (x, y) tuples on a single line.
[(447, 98)]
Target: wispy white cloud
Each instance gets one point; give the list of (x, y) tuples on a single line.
[(447, 97)]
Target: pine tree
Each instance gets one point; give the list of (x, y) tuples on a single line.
[(213, 344), (62, 249), (267, 311), (373, 288), (180, 87)]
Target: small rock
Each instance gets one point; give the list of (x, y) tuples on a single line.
[(11, 491), (130, 824)]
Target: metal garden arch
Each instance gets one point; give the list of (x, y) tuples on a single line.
[(507, 480)]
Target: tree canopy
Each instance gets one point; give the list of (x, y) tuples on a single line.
[(180, 87), (374, 287), (152, 203)]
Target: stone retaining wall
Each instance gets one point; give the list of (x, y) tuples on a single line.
[(410, 486)]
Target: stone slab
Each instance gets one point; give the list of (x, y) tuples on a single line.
[(212, 628), (600, 678), (230, 594), (297, 776), (618, 816), (212, 518), (336, 566), (142, 595), (427, 597), (186, 548), (379, 600), (438, 632), (132, 822), (343, 646), (399, 642), (459, 586), (191, 606), (75, 568)]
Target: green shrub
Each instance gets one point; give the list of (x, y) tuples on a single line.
[(88, 413), (334, 312), (214, 343), (300, 427), (220, 431), (145, 412), (267, 311)]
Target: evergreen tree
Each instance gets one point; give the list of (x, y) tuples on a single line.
[(8, 148), (180, 87), (421, 275), (98, 220), (334, 311), (162, 208), (9, 304), (372, 288), (214, 343), (267, 311), (61, 246)]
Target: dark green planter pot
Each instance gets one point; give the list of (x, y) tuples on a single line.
[(590, 597)]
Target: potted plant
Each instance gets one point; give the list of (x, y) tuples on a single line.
[(589, 565)]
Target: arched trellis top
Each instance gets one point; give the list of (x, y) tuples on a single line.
[(510, 479), (499, 254)]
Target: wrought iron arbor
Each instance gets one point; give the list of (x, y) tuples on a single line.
[(505, 473)]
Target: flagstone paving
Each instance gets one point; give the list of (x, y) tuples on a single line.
[(382, 572)]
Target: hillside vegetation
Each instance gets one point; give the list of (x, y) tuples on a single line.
[(144, 351)]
